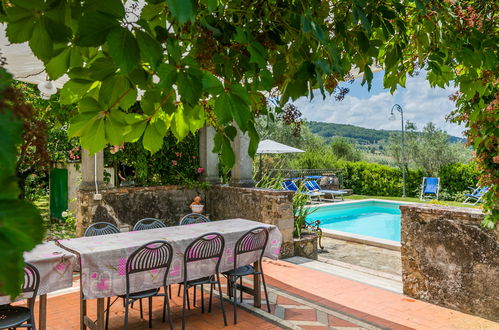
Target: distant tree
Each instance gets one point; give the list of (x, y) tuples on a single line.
[(274, 128), (343, 149), (428, 150)]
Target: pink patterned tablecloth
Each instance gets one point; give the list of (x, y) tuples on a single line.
[(103, 258), (55, 266)]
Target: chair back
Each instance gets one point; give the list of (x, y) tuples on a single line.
[(309, 184), (31, 284), (148, 223), (315, 185), (430, 185), (289, 185), (193, 218), (207, 246), (31, 279), (150, 256), (101, 228), (253, 240), (479, 192)]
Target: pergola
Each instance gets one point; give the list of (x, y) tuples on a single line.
[(24, 66)]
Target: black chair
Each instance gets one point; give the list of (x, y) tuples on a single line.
[(193, 218), (152, 255), (101, 228), (252, 241), (148, 223), (205, 247), (16, 316)]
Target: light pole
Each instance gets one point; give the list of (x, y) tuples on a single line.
[(392, 117)]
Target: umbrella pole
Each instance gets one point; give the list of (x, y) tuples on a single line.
[(261, 167)]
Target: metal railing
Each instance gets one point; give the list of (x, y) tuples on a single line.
[(291, 173)]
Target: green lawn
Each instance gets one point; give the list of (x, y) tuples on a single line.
[(53, 229), (411, 199)]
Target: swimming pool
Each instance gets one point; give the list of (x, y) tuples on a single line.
[(367, 218)]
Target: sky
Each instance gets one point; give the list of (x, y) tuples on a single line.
[(420, 103)]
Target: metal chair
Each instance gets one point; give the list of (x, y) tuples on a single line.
[(150, 256), (101, 228), (193, 218), (254, 240), (148, 223), (208, 246), (16, 316)]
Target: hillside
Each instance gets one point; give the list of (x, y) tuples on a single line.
[(359, 135)]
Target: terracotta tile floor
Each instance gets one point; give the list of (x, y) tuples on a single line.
[(359, 304), (300, 298), (63, 313)]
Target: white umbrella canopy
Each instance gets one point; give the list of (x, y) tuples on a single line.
[(273, 147), (23, 64)]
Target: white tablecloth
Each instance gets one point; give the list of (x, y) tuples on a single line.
[(55, 266), (103, 258)]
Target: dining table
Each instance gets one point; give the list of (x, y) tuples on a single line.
[(102, 260), (55, 266)]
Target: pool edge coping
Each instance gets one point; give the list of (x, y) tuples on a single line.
[(356, 238), (362, 200)]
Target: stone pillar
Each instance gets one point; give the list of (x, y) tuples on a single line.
[(207, 159), (242, 172), (91, 165)]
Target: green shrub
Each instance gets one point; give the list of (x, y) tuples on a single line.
[(379, 180), (456, 178), (175, 163)]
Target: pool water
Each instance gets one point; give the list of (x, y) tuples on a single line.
[(372, 218)]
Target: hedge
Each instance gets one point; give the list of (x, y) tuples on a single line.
[(381, 180)]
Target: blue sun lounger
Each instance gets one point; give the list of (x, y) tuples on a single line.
[(475, 196), (313, 186), (429, 188), (290, 185)]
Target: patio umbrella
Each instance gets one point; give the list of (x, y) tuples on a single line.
[(273, 147)]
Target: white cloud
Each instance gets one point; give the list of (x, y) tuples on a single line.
[(420, 102)]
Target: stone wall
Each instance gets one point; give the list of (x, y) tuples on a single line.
[(448, 259), (263, 205), (126, 206)]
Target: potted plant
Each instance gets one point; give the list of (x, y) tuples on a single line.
[(306, 234)]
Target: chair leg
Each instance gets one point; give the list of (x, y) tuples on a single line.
[(211, 296), (221, 299), (150, 312), (194, 300), (265, 289), (188, 300), (141, 313), (184, 300), (202, 299), (107, 311), (229, 287), (164, 304), (169, 291), (241, 288), (179, 286), (234, 298), (169, 313), (126, 315)]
